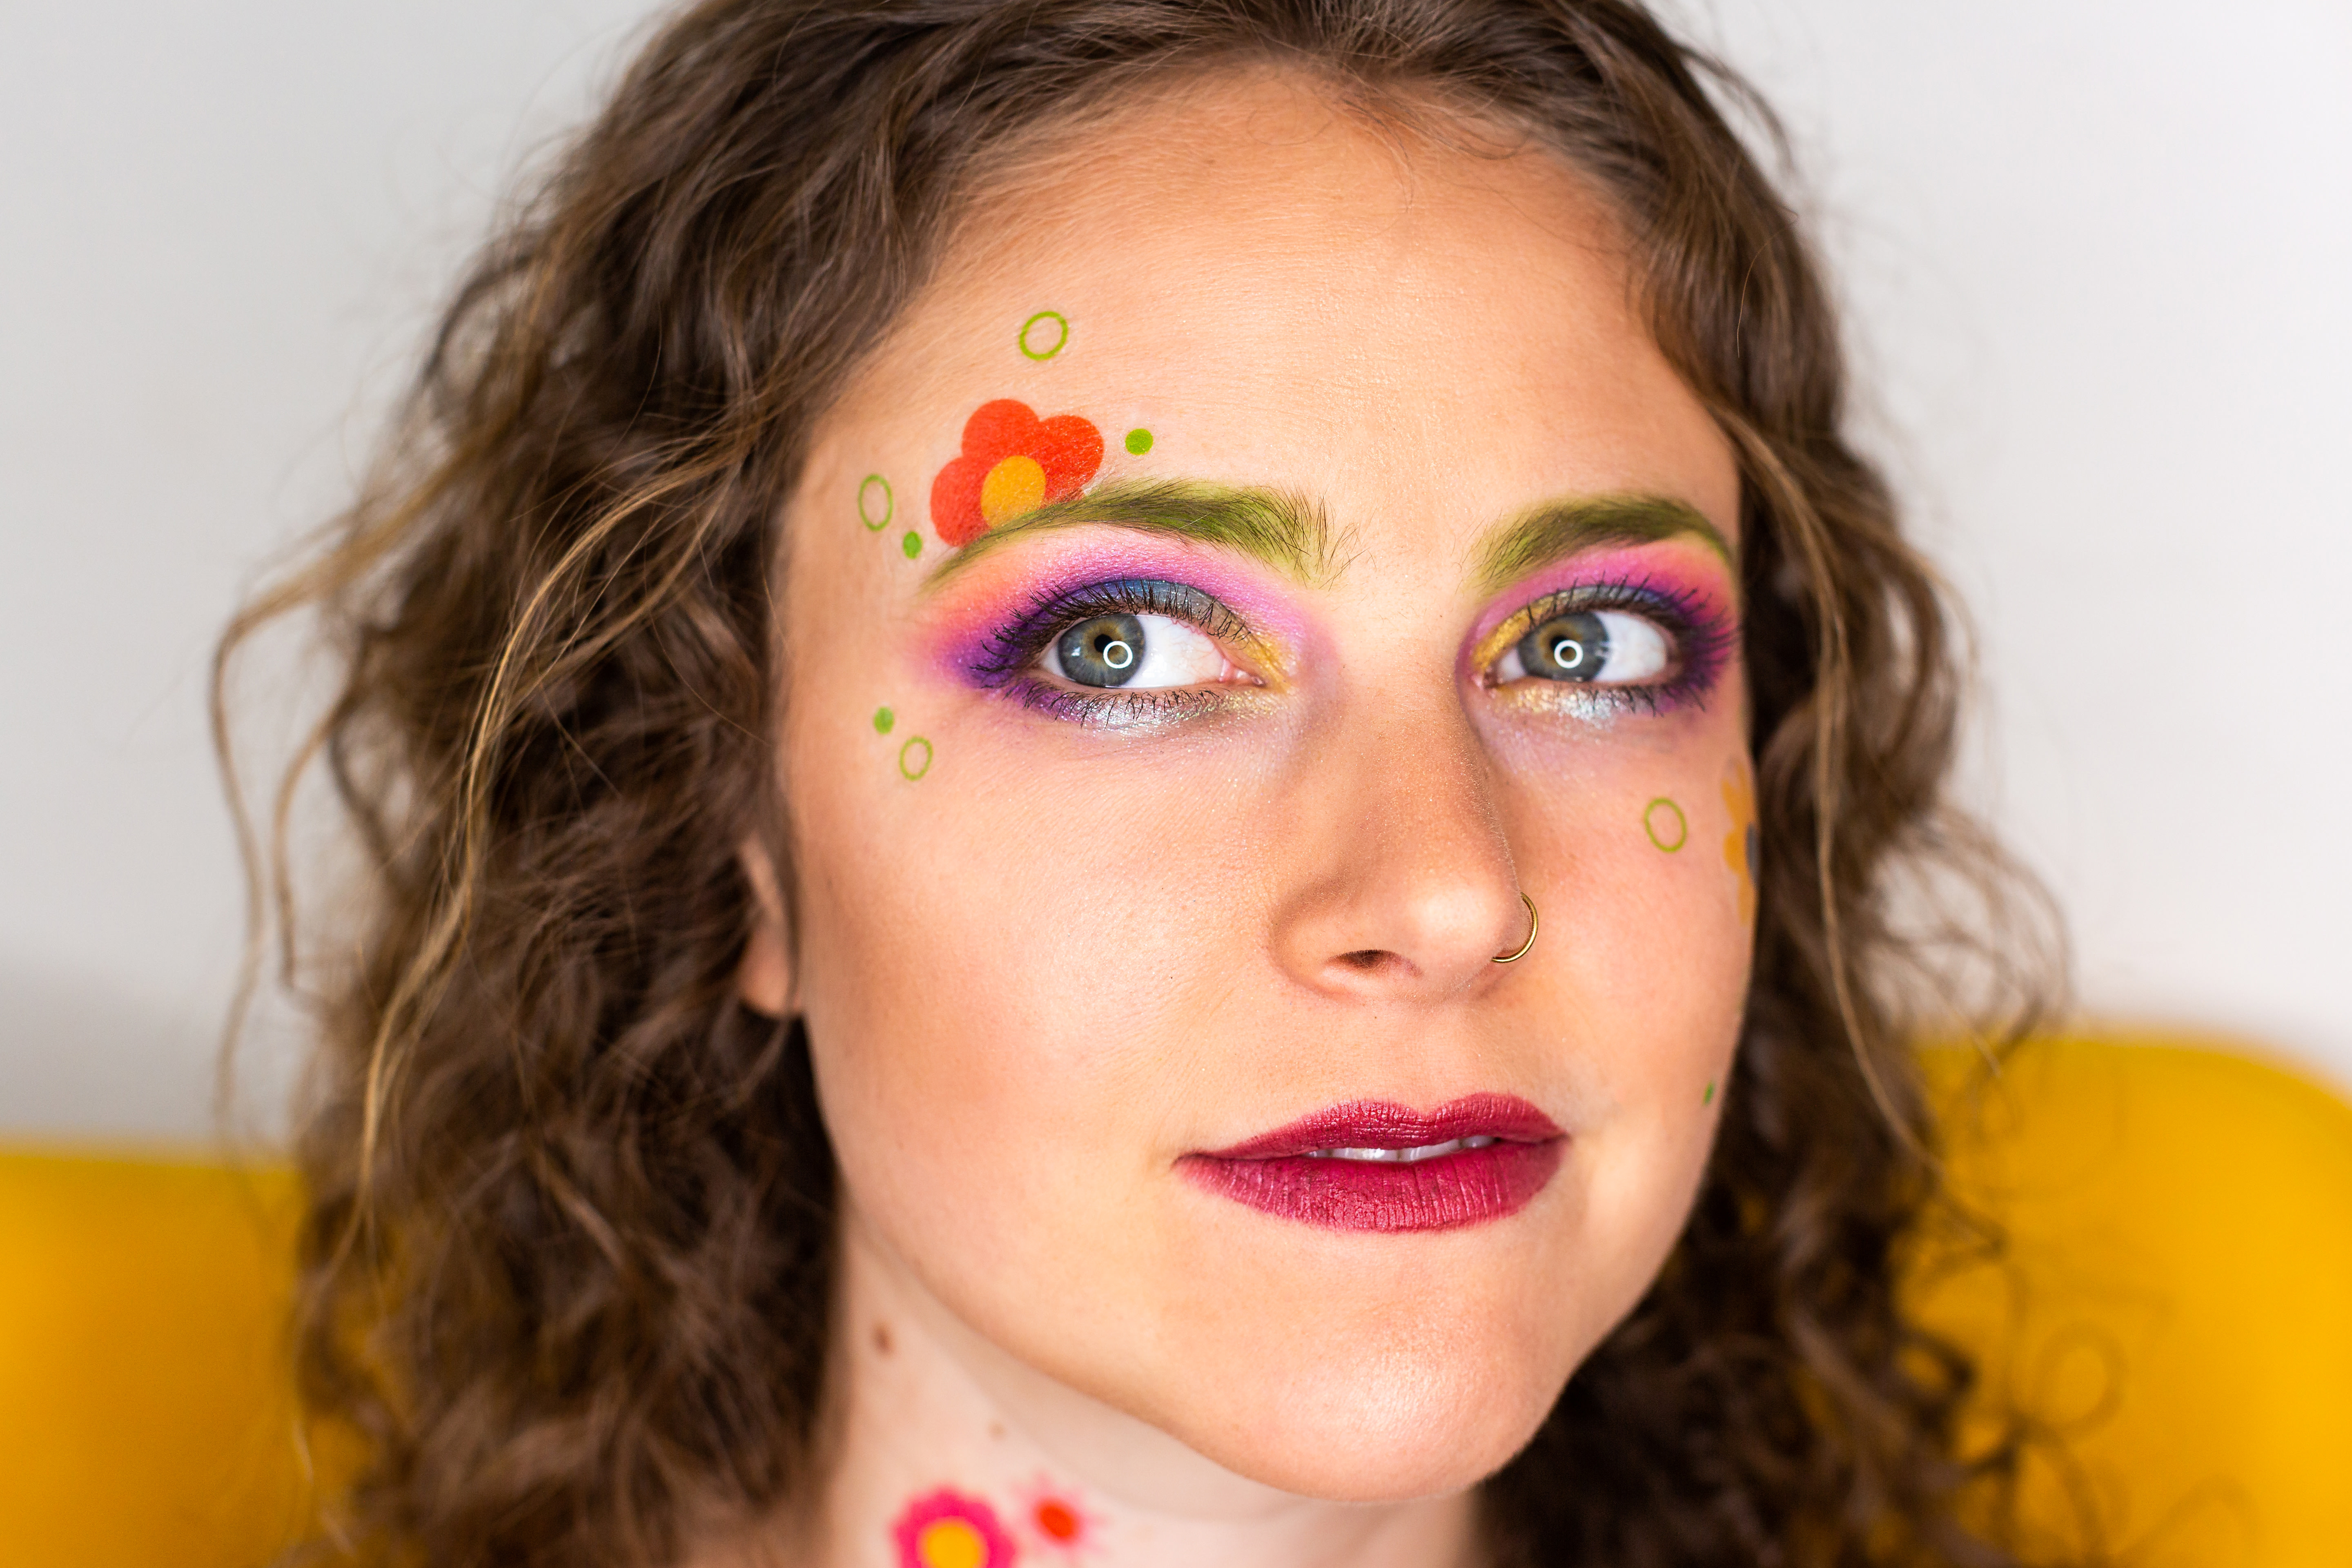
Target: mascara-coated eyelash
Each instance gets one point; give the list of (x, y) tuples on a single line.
[(1010, 659), (1698, 635)]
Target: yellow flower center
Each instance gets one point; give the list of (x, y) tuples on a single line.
[(1014, 485), (951, 1543)]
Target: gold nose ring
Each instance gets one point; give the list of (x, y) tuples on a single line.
[(1535, 924)]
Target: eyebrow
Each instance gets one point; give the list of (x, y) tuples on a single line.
[(1285, 530), (1558, 529)]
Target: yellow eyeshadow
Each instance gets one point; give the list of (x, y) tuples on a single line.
[(1492, 646)]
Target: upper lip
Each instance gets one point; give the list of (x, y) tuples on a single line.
[(1382, 1124)]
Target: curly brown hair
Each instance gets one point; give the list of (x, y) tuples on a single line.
[(570, 1244)]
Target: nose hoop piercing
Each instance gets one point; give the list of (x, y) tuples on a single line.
[(1535, 924)]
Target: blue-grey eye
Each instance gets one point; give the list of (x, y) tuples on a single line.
[(1139, 651), (1605, 647), (1574, 646), (1102, 650)]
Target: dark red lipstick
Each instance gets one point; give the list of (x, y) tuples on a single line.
[(1374, 1165)]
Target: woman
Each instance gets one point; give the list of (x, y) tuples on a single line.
[(1132, 771)]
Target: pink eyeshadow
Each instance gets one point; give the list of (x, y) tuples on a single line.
[(998, 594), (1671, 567)]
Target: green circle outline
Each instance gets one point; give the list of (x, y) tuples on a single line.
[(889, 503), (1059, 344), (912, 741), (1680, 821)]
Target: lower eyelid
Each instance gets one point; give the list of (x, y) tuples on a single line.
[(1114, 708), (1589, 703)]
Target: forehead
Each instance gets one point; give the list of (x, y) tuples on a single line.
[(1289, 292)]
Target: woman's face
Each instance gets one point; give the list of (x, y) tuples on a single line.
[(1166, 758)]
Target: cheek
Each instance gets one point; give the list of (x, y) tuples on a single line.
[(1656, 919), (1643, 834), (994, 976), (1647, 984)]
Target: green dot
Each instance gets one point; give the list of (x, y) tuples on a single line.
[(912, 544), (1138, 442), (1708, 1097), (883, 719)]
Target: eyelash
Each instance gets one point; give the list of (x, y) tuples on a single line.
[(1701, 637), (1008, 659)]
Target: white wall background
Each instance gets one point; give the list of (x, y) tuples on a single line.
[(2099, 259)]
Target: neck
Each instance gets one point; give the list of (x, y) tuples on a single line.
[(939, 1442)]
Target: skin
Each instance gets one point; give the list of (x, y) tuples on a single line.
[(1067, 956)]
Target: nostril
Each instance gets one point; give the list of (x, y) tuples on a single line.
[(1366, 959)]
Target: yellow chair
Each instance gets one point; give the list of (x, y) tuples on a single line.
[(2176, 1301), (146, 1395)]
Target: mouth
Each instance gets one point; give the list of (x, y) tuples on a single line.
[(1373, 1165)]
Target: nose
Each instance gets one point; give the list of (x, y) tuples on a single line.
[(1400, 882)]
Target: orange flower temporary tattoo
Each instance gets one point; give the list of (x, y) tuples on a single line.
[(1012, 462), (1739, 844)]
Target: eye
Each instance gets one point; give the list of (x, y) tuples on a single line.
[(1139, 652), (1601, 647)]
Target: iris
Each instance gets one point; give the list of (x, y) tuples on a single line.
[(1103, 650), (1572, 647)]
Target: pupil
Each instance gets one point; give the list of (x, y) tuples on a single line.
[(1573, 647), (1102, 651)]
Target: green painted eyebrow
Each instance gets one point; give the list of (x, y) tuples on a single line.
[(1286, 532), (1558, 529)]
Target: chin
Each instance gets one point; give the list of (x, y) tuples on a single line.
[(1426, 1413)]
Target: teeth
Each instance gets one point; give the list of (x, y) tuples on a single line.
[(1401, 1156)]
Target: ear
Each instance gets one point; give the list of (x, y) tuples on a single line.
[(765, 979)]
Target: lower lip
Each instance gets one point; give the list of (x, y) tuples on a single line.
[(1467, 1187)]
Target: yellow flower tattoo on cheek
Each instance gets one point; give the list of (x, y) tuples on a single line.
[(1739, 844)]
